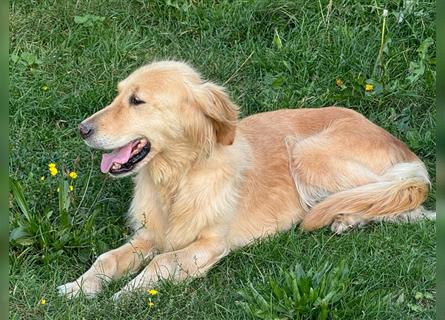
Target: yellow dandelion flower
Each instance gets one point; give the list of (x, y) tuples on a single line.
[(338, 82), (369, 87), (151, 304), (72, 175), (51, 165), (53, 171), (42, 301), (71, 188), (42, 178), (152, 292), (45, 88)]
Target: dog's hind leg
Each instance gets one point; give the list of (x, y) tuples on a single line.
[(392, 196), (319, 171), (348, 181)]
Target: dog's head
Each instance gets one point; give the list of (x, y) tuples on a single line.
[(160, 109)]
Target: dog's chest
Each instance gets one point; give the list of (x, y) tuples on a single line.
[(187, 217), (187, 206), (197, 207)]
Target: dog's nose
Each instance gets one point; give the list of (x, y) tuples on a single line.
[(85, 130)]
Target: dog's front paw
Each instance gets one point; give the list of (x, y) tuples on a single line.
[(134, 286), (126, 291), (70, 289), (75, 289)]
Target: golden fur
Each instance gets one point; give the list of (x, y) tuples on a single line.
[(211, 184)]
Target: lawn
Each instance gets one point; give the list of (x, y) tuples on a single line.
[(65, 60)]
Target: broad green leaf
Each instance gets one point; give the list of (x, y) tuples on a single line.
[(18, 233), (19, 197)]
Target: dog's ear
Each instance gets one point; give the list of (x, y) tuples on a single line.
[(217, 106)]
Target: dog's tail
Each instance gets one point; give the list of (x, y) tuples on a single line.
[(402, 188)]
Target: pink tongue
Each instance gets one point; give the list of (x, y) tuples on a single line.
[(120, 155)]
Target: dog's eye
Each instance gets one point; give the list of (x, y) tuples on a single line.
[(135, 101)]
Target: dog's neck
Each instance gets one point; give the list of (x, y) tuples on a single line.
[(169, 167)]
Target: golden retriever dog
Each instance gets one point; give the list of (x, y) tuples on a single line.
[(206, 183)]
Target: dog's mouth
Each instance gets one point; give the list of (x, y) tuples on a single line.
[(124, 159)]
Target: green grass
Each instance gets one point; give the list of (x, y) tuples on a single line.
[(270, 55)]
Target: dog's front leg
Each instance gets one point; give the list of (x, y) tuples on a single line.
[(192, 261), (108, 266)]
